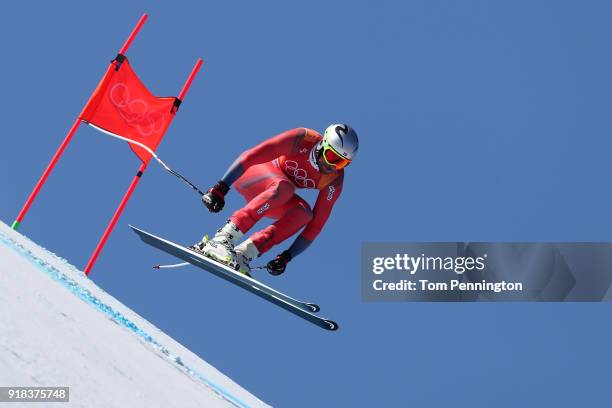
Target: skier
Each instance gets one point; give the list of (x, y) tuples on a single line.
[(267, 176)]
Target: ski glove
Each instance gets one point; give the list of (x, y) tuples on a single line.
[(279, 264), (214, 199)]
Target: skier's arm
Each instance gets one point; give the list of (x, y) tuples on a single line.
[(325, 202), (283, 143)]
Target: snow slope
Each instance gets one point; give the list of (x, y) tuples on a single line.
[(57, 328)]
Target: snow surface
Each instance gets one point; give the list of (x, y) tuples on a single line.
[(57, 328)]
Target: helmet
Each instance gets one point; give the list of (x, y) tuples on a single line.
[(339, 145)]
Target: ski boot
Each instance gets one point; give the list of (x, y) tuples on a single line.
[(221, 246), (199, 246), (245, 253)]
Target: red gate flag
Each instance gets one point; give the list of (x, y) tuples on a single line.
[(123, 106)]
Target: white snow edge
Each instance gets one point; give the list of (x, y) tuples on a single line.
[(58, 328)]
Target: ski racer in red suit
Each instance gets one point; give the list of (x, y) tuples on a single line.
[(267, 176)]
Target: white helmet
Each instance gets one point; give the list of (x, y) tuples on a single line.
[(339, 145)]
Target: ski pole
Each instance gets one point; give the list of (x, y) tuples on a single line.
[(156, 157), (178, 265)]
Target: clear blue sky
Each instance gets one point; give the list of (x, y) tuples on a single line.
[(479, 120)]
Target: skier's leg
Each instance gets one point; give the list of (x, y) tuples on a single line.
[(290, 219), (292, 216), (265, 188)]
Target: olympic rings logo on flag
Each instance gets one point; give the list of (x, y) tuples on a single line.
[(136, 111), (298, 175)]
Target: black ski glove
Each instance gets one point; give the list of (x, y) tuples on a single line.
[(279, 264), (214, 199)]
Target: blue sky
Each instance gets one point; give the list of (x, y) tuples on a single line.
[(479, 121)]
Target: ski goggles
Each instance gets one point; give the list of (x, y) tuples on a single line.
[(333, 158)]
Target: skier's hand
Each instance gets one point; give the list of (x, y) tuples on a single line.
[(279, 264), (214, 199)]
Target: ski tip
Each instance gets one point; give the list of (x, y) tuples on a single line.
[(313, 308), (331, 325)]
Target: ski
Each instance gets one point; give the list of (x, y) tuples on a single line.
[(309, 307), (301, 309)]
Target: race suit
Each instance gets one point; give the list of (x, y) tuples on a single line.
[(267, 176)]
